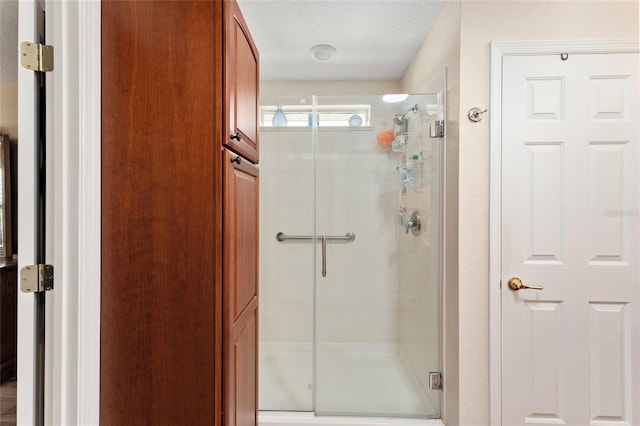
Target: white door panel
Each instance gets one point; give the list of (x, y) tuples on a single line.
[(571, 223)]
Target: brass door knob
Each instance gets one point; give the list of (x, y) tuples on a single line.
[(516, 284)]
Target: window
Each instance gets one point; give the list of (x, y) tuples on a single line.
[(328, 115)]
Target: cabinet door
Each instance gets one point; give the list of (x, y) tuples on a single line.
[(241, 85), (240, 291)]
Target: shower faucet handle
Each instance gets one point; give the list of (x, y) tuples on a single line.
[(410, 226), (413, 224)]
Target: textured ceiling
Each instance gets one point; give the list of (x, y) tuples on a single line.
[(375, 39)]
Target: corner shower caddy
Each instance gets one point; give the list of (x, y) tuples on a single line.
[(409, 141)]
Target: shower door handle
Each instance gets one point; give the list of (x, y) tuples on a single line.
[(347, 238), (323, 240)]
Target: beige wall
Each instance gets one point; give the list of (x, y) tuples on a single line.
[(440, 51), (326, 88), (482, 22), (9, 68), (9, 109)]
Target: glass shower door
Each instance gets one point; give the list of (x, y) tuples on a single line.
[(350, 291), (286, 267), (377, 314)]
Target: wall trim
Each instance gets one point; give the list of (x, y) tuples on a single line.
[(498, 51), (90, 195), (74, 244)]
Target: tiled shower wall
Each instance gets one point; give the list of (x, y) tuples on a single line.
[(357, 301), (420, 268), (286, 205)]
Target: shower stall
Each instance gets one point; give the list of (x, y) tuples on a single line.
[(350, 256)]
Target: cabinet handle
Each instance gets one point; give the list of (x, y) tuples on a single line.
[(236, 136), (236, 160)]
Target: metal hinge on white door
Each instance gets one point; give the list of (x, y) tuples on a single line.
[(36, 278), (36, 57)]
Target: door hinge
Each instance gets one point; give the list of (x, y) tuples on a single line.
[(36, 57), (36, 278), (436, 129), (435, 380)]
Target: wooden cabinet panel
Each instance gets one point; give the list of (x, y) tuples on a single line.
[(241, 85), (159, 344), (244, 402), (240, 291), (179, 279), (242, 237)]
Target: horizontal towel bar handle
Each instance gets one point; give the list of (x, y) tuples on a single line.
[(350, 236)]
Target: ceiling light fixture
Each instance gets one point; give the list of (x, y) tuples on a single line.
[(323, 52), (392, 98)]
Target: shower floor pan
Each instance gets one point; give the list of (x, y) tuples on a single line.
[(352, 378), (274, 418)]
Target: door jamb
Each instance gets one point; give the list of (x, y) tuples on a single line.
[(72, 388), (90, 207), (498, 51), (25, 414)]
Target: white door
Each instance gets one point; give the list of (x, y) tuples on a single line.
[(571, 224)]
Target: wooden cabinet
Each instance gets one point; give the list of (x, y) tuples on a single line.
[(241, 85), (240, 290), (240, 229), (179, 251), (240, 234)]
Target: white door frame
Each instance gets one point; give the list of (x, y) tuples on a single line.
[(89, 194), (72, 394), (498, 51), (27, 135)]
